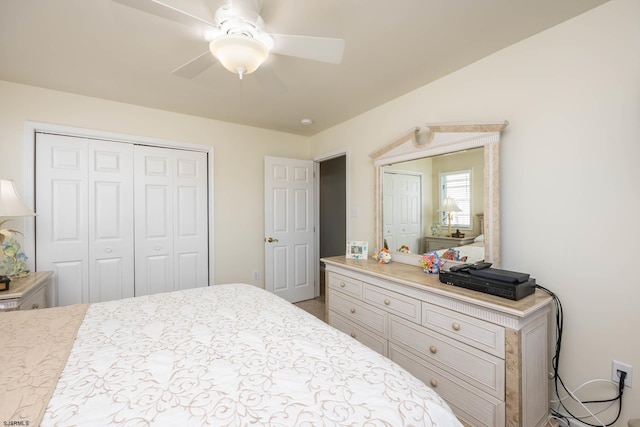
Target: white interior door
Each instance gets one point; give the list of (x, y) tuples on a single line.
[(62, 221), (289, 228), (84, 227), (402, 215), (89, 196), (171, 220), (111, 239)]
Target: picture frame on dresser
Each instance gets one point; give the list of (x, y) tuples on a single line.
[(4, 283), (357, 249)]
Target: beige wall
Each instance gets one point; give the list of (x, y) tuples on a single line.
[(570, 171), (239, 153)]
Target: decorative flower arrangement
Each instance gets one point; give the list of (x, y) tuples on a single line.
[(431, 263), (451, 254), (382, 256)]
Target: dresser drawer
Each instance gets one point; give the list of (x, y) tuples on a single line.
[(357, 311), (478, 333), (481, 370), (471, 406), (35, 301), (356, 331), (393, 302), (346, 285)]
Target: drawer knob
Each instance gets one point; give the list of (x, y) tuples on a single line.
[(387, 302), (35, 306), (433, 349), (456, 327), (433, 383), (342, 285), (353, 334), (353, 310)]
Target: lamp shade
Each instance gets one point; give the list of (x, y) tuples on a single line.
[(449, 205), (238, 53), (10, 203)]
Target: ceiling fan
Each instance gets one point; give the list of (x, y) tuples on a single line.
[(237, 37)]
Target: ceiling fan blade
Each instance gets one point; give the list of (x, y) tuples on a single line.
[(321, 49), (196, 66), (165, 10)]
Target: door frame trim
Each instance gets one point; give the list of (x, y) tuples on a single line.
[(316, 170), (30, 130)]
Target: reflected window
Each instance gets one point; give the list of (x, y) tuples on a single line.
[(458, 186)]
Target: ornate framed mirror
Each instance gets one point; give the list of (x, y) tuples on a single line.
[(409, 198)]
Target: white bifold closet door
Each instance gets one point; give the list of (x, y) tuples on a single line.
[(171, 220), (98, 215)]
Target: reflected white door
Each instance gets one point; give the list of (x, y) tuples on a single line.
[(84, 227), (402, 203), (289, 228), (171, 220)]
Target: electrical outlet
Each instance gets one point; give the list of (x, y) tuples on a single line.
[(619, 366), (256, 275)]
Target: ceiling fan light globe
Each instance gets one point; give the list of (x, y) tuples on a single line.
[(235, 51)]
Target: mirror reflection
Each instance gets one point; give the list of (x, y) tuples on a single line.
[(435, 204)]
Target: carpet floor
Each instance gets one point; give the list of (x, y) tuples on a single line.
[(314, 306)]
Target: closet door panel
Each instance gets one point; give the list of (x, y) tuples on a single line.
[(111, 239), (191, 246), (61, 224), (154, 220), (158, 275), (68, 284)]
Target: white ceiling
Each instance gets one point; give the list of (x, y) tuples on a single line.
[(107, 50)]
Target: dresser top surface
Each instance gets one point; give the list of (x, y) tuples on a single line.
[(413, 276)]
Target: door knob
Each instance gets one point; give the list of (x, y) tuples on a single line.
[(270, 240)]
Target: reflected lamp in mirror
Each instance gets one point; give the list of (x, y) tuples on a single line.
[(449, 206)]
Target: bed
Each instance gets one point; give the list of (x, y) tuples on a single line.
[(225, 355), (470, 253)]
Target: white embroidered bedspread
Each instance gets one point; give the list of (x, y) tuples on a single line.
[(230, 355)]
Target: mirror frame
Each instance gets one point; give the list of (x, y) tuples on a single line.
[(443, 138)]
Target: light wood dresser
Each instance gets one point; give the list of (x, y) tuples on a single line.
[(486, 355), (27, 293)]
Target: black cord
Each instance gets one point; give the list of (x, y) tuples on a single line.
[(555, 363)]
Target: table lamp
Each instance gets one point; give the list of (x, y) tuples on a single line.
[(448, 206), (11, 206)]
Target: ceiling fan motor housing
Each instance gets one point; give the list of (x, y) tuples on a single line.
[(239, 53)]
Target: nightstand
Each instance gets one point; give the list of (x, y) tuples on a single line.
[(27, 293), (435, 243)]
